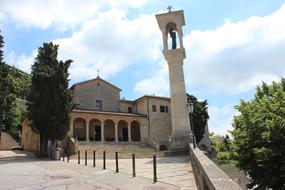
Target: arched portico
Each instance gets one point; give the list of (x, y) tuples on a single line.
[(109, 130), (79, 129), (105, 127), (135, 131), (95, 130), (123, 133)]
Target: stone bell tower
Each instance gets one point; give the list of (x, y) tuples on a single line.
[(170, 25)]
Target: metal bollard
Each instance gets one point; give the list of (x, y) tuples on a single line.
[(117, 163), (104, 160), (94, 156), (85, 157), (154, 169), (63, 156), (78, 157), (134, 165)]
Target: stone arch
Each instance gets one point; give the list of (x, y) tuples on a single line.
[(95, 130), (172, 36), (135, 131), (109, 130), (79, 129), (123, 132)]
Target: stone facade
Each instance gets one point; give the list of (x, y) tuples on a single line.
[(102, 116)]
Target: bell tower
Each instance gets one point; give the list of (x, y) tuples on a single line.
[(170, 25)]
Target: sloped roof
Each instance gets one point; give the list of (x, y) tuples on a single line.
[(96, 79)]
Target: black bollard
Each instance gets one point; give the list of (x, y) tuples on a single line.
[(117, 163), (154, 169), (134, 165), (104, 160), (68, 153), (63, 156), (85, 157), (94, 156), (78, 157)]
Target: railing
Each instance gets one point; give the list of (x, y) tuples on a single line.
[(207, 174)]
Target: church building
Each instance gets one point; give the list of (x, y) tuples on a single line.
[(102, 116)]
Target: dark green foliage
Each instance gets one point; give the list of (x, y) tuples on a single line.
[(12, 83), (259, 137), (51, 101), (8, 105), (200, 116)]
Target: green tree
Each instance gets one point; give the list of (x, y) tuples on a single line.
[(259, 137), (51, 100), (200, 116), (8, 106)]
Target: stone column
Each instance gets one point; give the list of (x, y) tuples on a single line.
[(102, 132), (129, 133), (181, 134), (70, 132), (116, 132), (87, 131)]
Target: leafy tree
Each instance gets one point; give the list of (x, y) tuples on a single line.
[(200, 116), (51, 101), (7, 94), (259, 137)]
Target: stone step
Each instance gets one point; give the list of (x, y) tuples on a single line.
[(125, 150)]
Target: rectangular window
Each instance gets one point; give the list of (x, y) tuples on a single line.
[(166, 109), (130, 109), (162, 108), (99, 104), (153, 108)]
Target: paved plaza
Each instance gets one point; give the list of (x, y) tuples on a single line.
[(20, 170)]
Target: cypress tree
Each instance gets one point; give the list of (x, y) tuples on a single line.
[(200, 116), (51, 101)]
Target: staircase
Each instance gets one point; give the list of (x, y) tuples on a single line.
[(125, 150)]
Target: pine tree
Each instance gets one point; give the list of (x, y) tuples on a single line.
[(51, 101)]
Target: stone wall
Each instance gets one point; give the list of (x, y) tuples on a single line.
[(6, 141), (124, 106), (30, 139), (207, 174), (158, 123), (86, 94)]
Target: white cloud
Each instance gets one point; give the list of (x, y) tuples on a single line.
[(157, 84), (22, 62), (61, 13), (220, 121), (110, 42), (237, 56)]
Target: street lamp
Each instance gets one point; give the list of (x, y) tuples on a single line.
[(190, 108)]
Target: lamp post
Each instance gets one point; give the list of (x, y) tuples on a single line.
[(190, 108)]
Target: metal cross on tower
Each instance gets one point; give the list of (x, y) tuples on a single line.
[(169, 7), (98, 71)]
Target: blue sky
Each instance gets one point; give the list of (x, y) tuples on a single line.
[(231, 46)]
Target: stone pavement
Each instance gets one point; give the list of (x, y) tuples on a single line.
[(173, 170), (21, 171)]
